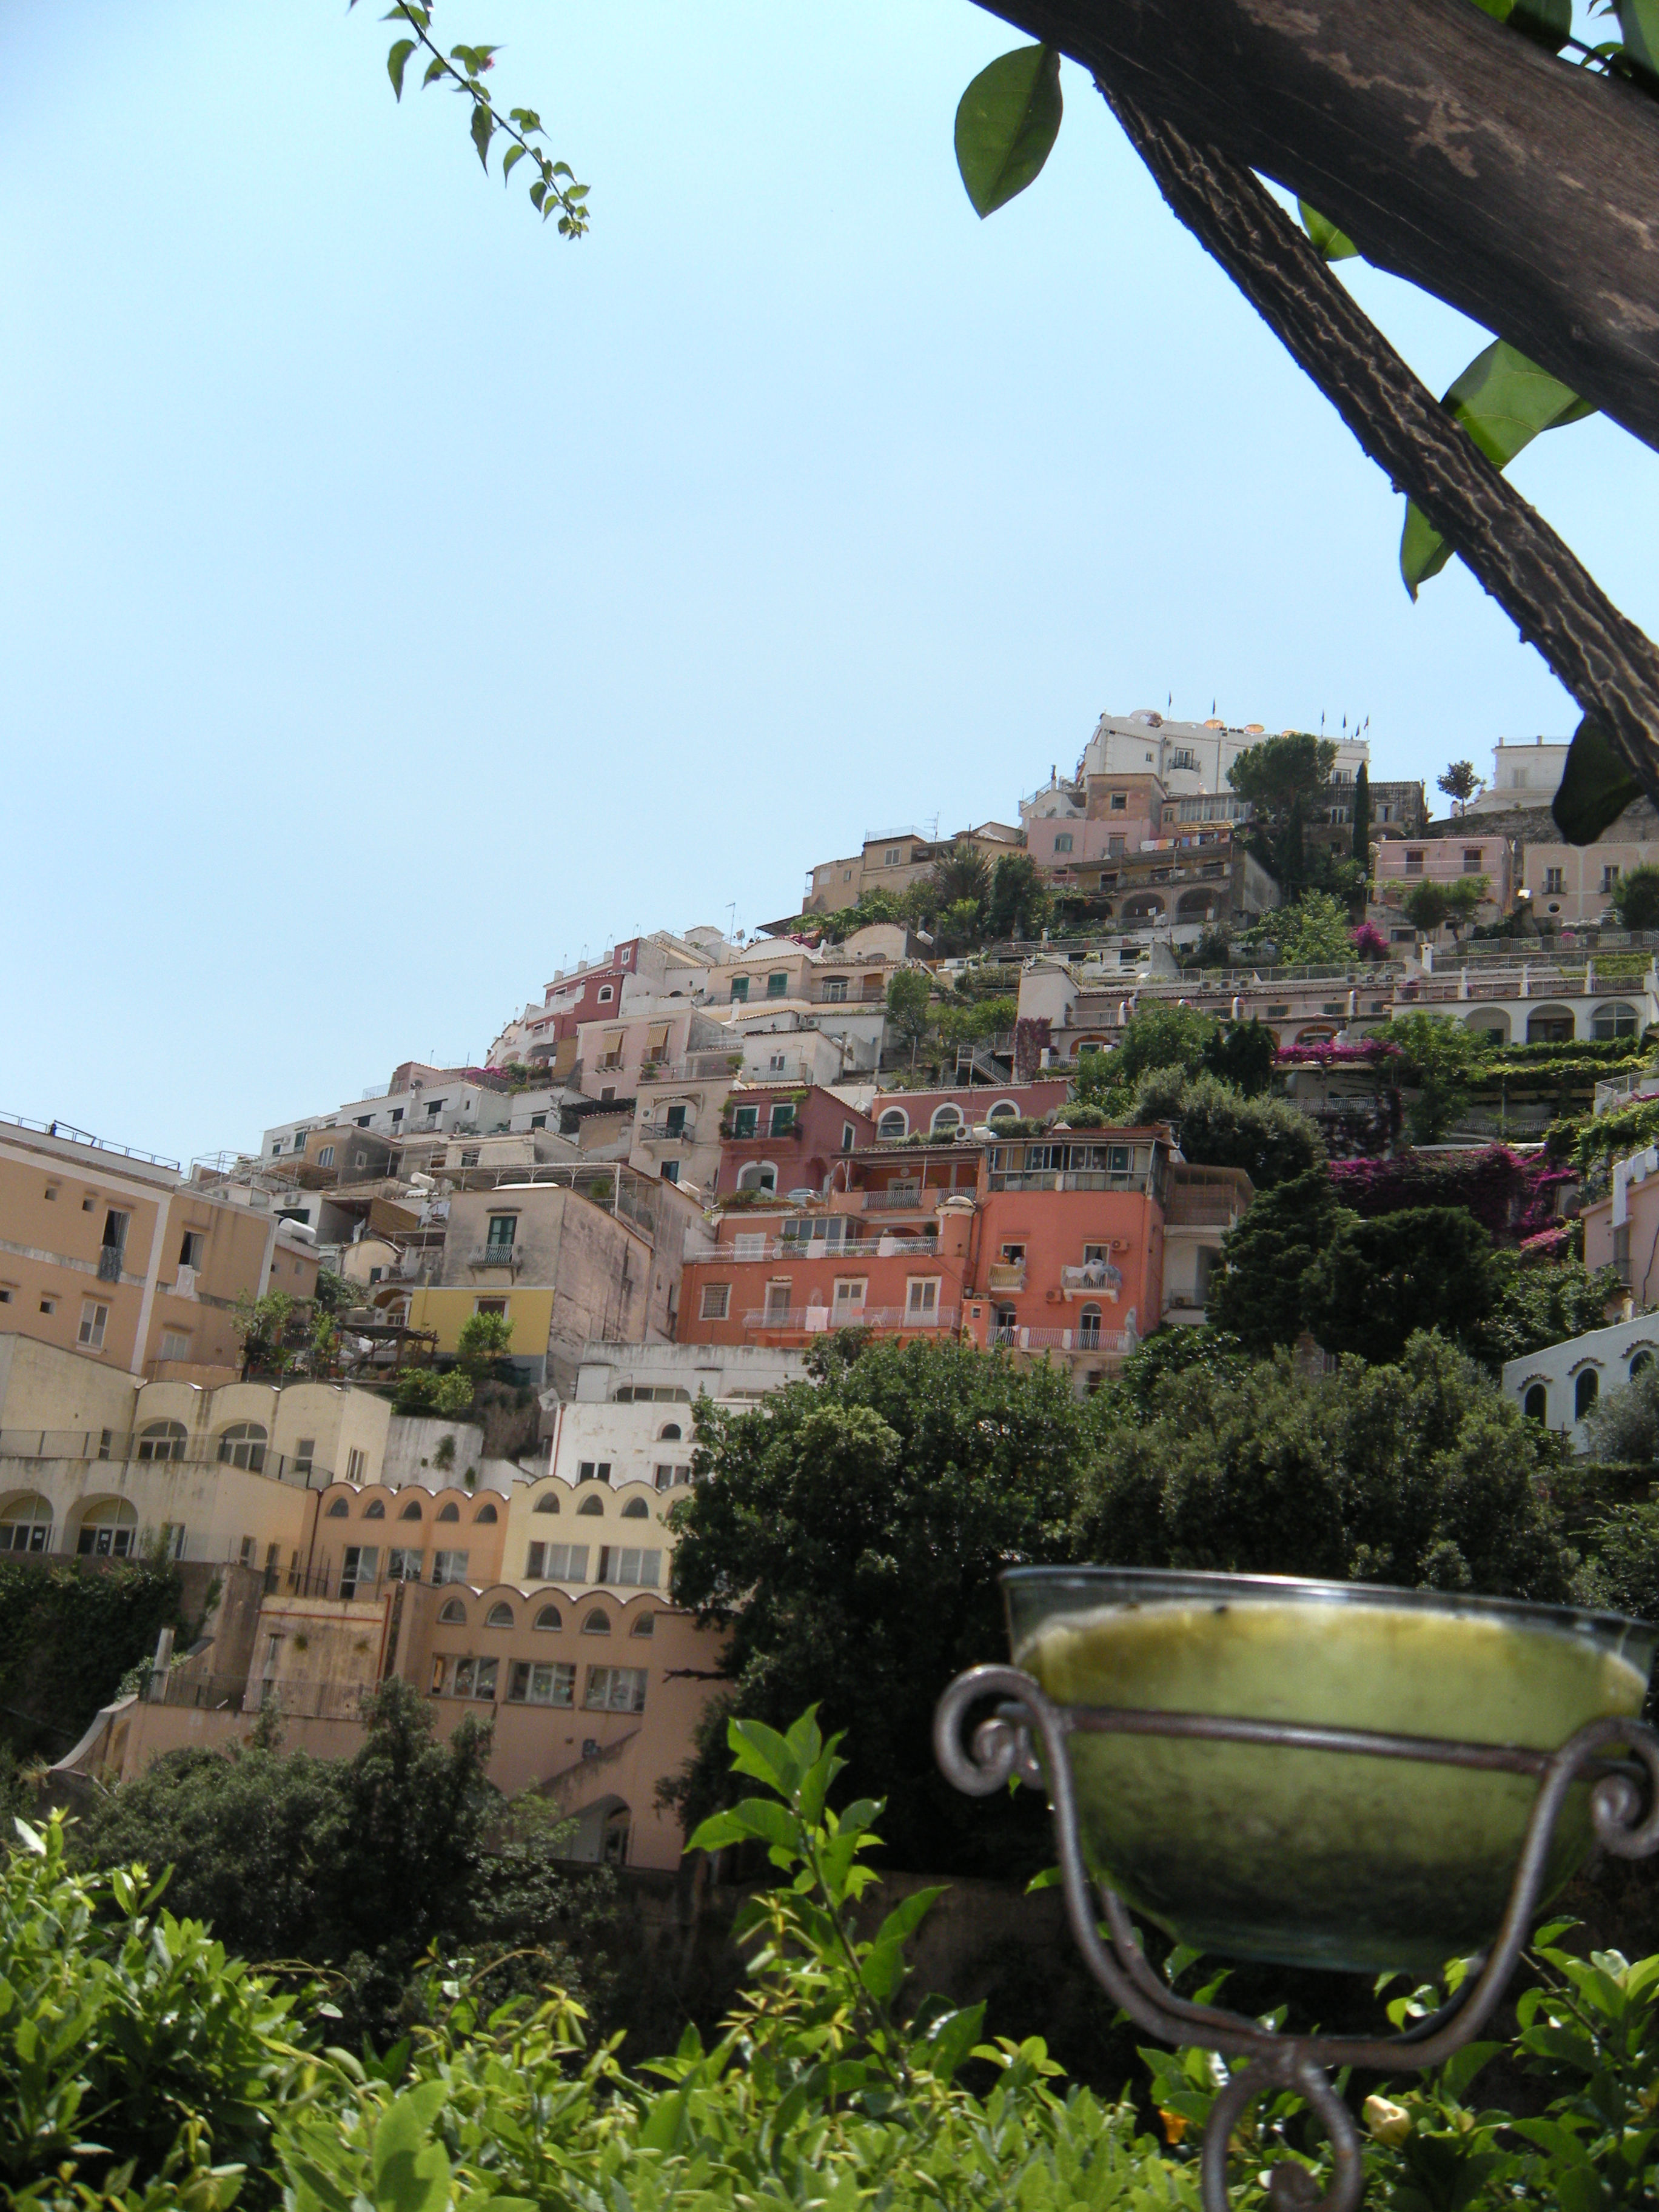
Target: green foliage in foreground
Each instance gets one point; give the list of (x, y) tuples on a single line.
[(148, 2072)]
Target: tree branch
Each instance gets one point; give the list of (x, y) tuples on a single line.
[(1608, 664), (1518, 189)]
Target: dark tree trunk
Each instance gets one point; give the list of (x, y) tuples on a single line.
[(1452, 151), (1608, 664)]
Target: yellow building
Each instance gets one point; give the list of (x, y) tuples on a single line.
[(111, 1253)]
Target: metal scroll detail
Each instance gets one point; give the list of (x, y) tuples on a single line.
[(1005, 1748)]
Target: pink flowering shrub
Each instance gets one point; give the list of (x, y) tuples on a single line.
[(1512, 1197), (1368, 942)]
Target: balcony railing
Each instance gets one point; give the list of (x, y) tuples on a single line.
[(121, 1448), (668, 1133), (1208, 1209), (812, 1320), (1063, 1340), (922, 1200), (498, 1255), (1067, 1179), (1005, 1275)]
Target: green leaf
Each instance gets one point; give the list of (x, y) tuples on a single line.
[(953, 2039), (761, 1752), (395, 61), (412, 2174), (1597, 786), (906, 1916), (1549, 21), (514, 154), (484, 127), (716, 1831), (1638, 25), (1334, 244), (1007, 123), (1503, 401)]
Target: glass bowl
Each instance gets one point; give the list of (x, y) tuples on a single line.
[(1306, 1857)]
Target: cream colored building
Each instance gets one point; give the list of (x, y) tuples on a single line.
[(109, 1252)]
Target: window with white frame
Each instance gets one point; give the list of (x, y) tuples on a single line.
[(850, 1293), (669, 1476), (540, 1682), (556, 1563), (1555, 879), (357, 1464), (95, 1319), (476, 1678), (325, 1157), (403, 1563), (716, 1301), (1063, 842), (835, 990), (359, 1569), (449, 1566), (921, 1298), (615, 1690), (630, 1564)]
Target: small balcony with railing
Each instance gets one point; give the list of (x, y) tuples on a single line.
[(1004, 1277), (509, 1258), (780, 1323)]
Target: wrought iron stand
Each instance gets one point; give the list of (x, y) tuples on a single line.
[(1005, 1746)]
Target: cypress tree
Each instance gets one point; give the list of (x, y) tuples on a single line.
[(1362, 816)]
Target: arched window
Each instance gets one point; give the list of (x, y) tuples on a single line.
[(1644, 1359), (669, 1432), (375, 1510), (1088, 1329), (1585, 1392), (486, 1513), (895, 1123), (947, 1117), (550, 1617), (645, 1626), (161, 1440), (636, 1509), (450, 1512), (338, 1510), (411, 1511), (1003, 1110), (26, 1524), (243, 1445), (548, 1502), (1551, 1025), (108, 1530), (598, 1623), (499, 1616), (453, 1614), (591, 1504), (1536, 1404), (1617, 1020), (1004, 1321), (759, 1175)]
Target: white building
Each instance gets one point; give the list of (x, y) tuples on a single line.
[(1561, 1385), (1525, 772), (1189, 757)]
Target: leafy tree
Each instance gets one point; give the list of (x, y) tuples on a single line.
[(1620, 1571), (1271, 1140), (849, 1536), (356, 1864), (1442, 1054), (1426, 905), (1313, 932), (483, 1338), (1361, 847), (1460, 783), (1377, 1282), (68, 1633), (1162, 1035), (128, 2040), (1623, 1428), (1418, 1473), (1244, 1054), (1257, 1294), (1544, 1303), (1281, 778), (334, 1292), (960, 876), (1211, 948), (1636, 899), (1019, 904), (910, 1008)]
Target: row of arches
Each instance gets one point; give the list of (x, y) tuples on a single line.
[(1586, 1388), (500, 1613), (1553, 1023), (104, 1528), (895, 1123), (413, 1509)]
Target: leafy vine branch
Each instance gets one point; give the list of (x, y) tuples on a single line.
[(555, 189)]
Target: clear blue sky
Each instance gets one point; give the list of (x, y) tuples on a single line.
[(397, 599)]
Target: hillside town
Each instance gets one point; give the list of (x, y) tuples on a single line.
[(1058, 1091)]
